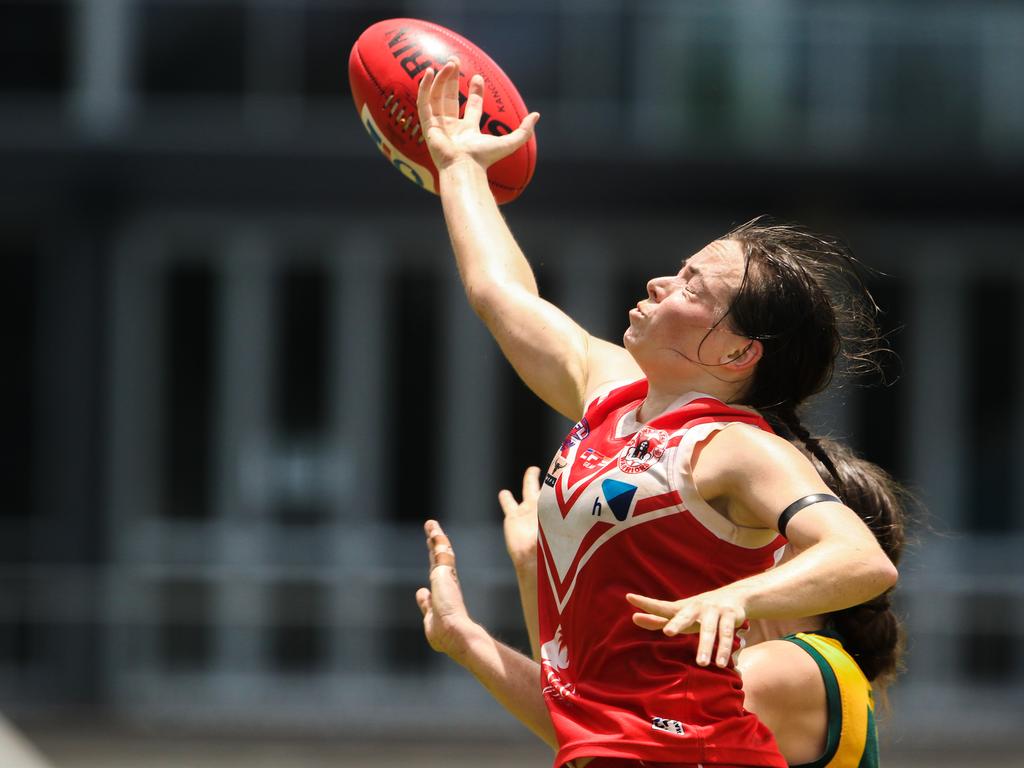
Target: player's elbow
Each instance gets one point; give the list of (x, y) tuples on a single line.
[(482, 298), (888, 574), (878, 573)]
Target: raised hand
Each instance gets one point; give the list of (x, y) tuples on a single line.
[(451, 138), (716, 615), (445, 618), (521, 520)]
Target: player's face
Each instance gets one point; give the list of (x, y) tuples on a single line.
[(681, 318)]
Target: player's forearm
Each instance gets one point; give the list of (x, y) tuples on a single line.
[(526, 576), (828, 576), (510, 677), (488, 257)]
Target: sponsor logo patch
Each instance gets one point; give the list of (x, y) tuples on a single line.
[(662, 724), (551, 477), (619, 496), (591, 459)]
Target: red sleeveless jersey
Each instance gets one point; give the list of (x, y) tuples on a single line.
[(615, 517)]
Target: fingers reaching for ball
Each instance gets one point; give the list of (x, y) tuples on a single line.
[(475, 99), (451, 136), (444, 134)]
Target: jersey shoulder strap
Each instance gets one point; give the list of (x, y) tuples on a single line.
[(852, 740)]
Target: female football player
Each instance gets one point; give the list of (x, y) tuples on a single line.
[(807, 679), (671, 484)]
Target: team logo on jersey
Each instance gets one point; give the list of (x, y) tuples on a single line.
[(577, 434), (644, 450), (591, 459), (554, 657)]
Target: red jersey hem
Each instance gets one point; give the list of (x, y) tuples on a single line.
[(685, 753)]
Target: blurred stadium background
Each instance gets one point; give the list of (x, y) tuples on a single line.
[(226, 321)]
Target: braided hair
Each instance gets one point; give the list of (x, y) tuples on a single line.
[(871, 631)]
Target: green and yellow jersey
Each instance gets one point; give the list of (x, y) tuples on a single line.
[(852, 740)]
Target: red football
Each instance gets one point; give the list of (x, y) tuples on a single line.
[(384, 70)]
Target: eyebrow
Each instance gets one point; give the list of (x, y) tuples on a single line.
[(692, 268)]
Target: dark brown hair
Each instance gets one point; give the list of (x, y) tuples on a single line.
[(871, 631), (802, 297)]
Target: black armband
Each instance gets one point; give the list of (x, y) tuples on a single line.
[(799, 504)]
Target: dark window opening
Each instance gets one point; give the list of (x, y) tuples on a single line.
[(298, 637), (192, 48), (185, 637), (414, 387), (18, 286), (992, 404), (35, 46), (301, 373), (191, 294)]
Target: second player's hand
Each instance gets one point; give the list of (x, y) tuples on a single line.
[(445, 618), (452, 139), (716, 615), (521, 521)]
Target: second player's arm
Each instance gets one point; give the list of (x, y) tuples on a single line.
[(520, 528), (512, 678)]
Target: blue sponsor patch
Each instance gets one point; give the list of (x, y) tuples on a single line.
[(619, 496)]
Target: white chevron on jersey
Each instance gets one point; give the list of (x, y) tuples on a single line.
[(580, 555), (580, 522)]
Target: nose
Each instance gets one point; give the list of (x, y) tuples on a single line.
[(656, 288)]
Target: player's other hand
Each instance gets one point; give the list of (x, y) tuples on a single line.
[(716, 615), (521, 521), (452, 139), (445, 619)]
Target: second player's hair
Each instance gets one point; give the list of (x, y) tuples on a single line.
[(871, 632)]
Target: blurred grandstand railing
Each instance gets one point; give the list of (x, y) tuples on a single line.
[(811, 81)]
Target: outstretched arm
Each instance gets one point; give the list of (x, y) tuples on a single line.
[(510, 677), (521, 542), (553, 355)]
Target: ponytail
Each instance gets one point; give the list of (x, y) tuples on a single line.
[(871, 632)]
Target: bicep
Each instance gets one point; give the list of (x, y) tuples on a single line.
[(554, 356), (760, 474)]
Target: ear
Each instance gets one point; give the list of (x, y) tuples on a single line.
[(744, 356)]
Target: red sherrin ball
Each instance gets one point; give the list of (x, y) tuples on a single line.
[(385, 68)]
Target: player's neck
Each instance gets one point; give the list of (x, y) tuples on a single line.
[(661, 395)]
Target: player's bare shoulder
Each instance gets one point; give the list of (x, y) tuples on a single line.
[(783, 686), (780, 668), (739, 455)]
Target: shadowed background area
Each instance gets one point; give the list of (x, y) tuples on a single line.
[(239, 370)]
